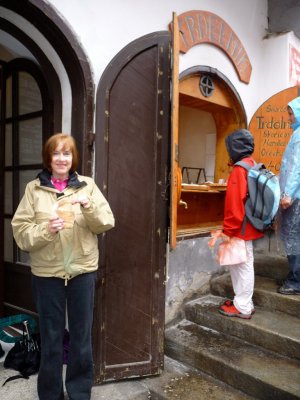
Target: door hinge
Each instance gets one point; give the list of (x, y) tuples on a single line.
[(91, 139)]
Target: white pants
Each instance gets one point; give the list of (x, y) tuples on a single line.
[(242, 278)]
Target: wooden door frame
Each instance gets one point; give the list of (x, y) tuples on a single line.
[(175, 172), (203, 69)]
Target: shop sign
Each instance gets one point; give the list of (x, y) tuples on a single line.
[(271, 129), (197, 27)]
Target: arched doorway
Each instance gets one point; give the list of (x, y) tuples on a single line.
[(38, 36)]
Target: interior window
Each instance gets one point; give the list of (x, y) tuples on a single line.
[(197, 145)]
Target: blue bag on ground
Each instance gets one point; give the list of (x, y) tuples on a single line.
[(263, 195)]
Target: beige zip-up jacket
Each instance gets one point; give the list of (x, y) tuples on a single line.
[(69, 252)]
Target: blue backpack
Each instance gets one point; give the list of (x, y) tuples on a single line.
[(263, 196)]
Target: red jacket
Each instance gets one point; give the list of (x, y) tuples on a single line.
[(234, 211)]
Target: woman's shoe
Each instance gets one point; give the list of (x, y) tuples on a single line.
[(229, 302), (287, 290), (231, 311)]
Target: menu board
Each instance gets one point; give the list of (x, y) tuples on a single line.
[(271, 129)]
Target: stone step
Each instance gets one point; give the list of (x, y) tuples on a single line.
[(257, 372), (272, 330), (275, 267), (265, 294), (182, 382)]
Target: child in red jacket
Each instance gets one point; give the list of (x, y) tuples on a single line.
[(240, 146)]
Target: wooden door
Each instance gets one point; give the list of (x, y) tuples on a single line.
[(132, 168)]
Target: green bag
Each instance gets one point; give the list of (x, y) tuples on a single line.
[(13, 320)]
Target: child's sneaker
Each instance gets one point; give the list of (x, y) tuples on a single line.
[(229, 302), (231, 311)]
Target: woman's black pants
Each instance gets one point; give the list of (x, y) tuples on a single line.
[(53, 297)]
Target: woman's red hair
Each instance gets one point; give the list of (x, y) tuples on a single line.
[(53, 142)]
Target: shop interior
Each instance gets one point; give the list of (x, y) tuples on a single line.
[(208, 111)]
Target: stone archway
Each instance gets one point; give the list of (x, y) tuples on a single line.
[(44, 18)]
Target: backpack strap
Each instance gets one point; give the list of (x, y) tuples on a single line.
[(244, 165), (247, 167), (244, 225), (14, 377)]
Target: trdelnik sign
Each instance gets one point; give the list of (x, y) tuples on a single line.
[(271, 129), (197, 27)]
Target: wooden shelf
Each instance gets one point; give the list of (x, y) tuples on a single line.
[(209, 188), (201, 191), (198, 230)]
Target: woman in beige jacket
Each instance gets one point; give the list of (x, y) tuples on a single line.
[(57, 222)]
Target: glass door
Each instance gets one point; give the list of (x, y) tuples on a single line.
[(22, 132)]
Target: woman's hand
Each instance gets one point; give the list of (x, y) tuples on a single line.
[(55, 224), (224, 237), (83, 201), (215, 235), (286, 202)]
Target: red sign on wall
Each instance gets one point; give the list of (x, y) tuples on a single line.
[(196, 27), (294, 66)]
